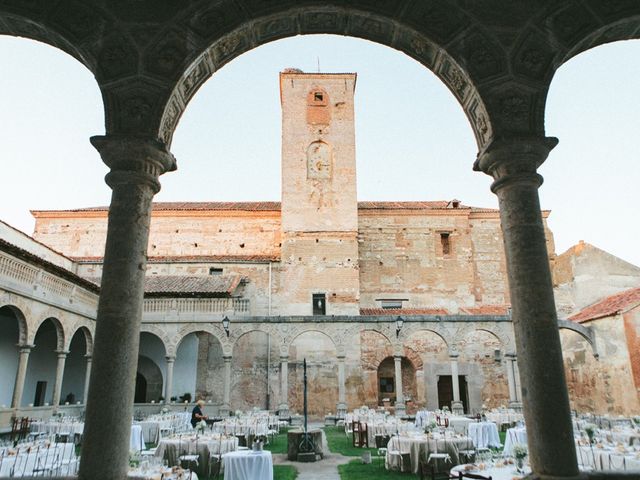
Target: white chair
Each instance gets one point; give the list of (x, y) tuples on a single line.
[(187, 457), (435, 456)]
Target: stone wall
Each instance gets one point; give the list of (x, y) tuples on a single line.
[(603, 385)]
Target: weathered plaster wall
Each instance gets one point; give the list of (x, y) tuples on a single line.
[(604, 385)]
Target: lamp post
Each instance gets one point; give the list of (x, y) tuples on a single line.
[(399, 322), (225, 325)]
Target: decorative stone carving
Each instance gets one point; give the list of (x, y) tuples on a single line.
[(77, 21), (322, 22), (573, 22), (275, 28), (443, 21), (117, 58)]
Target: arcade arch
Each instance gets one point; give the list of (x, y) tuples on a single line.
[(254, 361), (12, 334)]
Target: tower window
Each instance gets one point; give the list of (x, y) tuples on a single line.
[(215, 271), (445, 241), (318, 97), (319, 304)]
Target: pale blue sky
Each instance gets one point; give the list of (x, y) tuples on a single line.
[(413, 140)]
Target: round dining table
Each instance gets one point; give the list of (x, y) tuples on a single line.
[(248, 465)]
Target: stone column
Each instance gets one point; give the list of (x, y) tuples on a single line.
[(21, 374), (226, 403), (283, 408), (57, 386), (513, 164), (87, 376), (135, 163), (341, 408), (400, 409), (168, 388), (456, 406)]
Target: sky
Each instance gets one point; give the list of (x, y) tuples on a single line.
[(413, 141)]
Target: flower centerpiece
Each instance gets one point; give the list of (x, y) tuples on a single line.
[(134, 458), (520, 452), (590, 430), (164, 411), (200, 426), (445, 410), (429, 427)]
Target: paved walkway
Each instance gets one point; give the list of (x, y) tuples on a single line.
[(325, 469)]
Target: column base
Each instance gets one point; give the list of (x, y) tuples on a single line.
[(400, 410), (457, 408), (341, 410), (517, 406), (224, 411), (283, 411)]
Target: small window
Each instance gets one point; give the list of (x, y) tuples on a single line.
[(446, 243), (391, 304), (319, 304), (215, 271), (318, 97)]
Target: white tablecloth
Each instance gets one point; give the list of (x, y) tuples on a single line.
[(56, 459), (507, 472), (514, 435), (459, 424), (248, 465), (136, 440), (160, 473), (484, 434)]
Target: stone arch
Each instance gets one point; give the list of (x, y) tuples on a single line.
[(308, 330), (152, 387), (441, 333), (254, 358), (88, 338), (214, 330), (585, 332), (23, 328), (375, 346), (364, 21), (60, 335), (157, 332)]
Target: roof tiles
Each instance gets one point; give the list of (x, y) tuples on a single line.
[(611, 305)]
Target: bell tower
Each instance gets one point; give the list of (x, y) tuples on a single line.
[(319, 203)]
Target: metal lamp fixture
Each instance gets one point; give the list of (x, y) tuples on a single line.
[(399, 322), (225, 324)]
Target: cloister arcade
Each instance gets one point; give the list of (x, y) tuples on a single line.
[(149, 59)]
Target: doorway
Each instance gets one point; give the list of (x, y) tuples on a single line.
[(445, 391), (41, 391)]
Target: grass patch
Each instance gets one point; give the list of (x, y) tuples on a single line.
[(503, 436), (279, 443), (284, 472), (341, 443), (356, 470)]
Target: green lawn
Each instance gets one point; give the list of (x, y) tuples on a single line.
[(341, 443), (356, 470), (279, 443), (284, 472)]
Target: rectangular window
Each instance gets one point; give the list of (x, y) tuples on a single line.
[(318, 97), (446, 243), (387, 385), (215, 271), (319, 304), (391, 304)]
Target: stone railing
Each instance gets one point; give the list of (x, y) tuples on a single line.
[(172, 309), (30, 281)]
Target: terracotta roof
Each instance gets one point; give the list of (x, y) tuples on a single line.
[(276, 206), (485, 310), (611, 305), (181, 286), (195, 259), (403, 311)]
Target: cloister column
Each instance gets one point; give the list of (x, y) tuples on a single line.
[(341, 408), (226, 394), (57, 386), (21, 375), (171, 360), (283, 409), (87, 376), (400, 410), (513, 163), (514, 396), (456, 404), (135, 163)]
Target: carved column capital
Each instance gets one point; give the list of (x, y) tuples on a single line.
[(25, 348), (515, 159), (170, 358), (62, 353), (226, 358), (134, 159)]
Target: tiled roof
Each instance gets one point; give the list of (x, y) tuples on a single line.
[(178, 285), (611, 305), (276, 206), (403, 311), (195, 259), (485, 310)]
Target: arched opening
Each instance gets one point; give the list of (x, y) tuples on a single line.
[(152, 350), (148, 381), (186, 369), (43, 360), (75, 368), (432, 349), (480, 362), (9, 341), (254, 363), (387, 393), (374, 348), (322, 373)]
